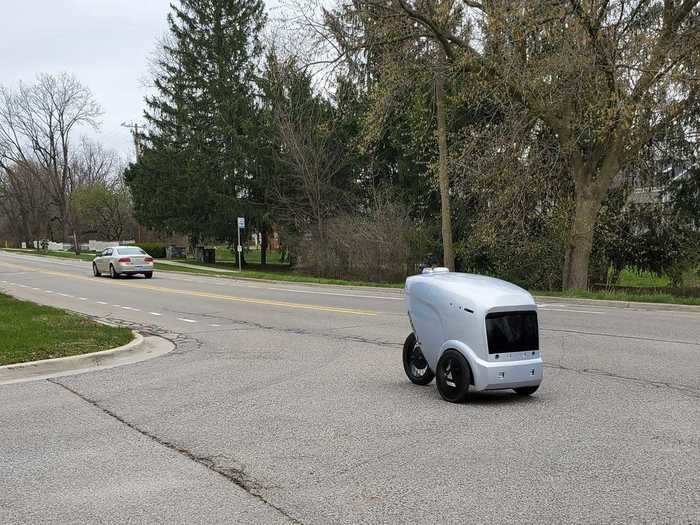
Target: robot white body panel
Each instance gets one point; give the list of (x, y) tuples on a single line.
[(491, 322)]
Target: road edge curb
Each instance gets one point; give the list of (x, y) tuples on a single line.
[(139, 349), (632, 305)]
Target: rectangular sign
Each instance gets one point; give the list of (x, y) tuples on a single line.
[(241, 222)]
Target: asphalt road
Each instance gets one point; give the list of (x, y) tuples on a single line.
[(288, 403)]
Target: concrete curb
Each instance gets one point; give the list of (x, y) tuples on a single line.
[(633, 305), (140, 349)]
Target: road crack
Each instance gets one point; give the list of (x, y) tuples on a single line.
[(684, 389), (249, 325), (618, 336), (228, 469)]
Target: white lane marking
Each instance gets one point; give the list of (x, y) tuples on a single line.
[(130, 308), (574, 311), (215, 325), (83, 298), (48, 291), (550, 304), (64, 294), (117, 305), (155, 313), (186, 320), (36, 289), (101, 302)]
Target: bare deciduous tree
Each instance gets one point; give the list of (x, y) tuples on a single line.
[(93, 164), (606, 76), (310, 150), (24, 202), (37, 126)]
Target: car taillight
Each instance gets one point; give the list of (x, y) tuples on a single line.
[(125, 259), (148, 259)]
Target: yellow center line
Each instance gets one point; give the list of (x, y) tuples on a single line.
[(208, 295)]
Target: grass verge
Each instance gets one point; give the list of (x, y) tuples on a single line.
[(622, 296), (85, 256), (287, 276), (29, 332), (224, 254)]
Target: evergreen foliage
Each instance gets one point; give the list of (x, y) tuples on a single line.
[(198, 156)]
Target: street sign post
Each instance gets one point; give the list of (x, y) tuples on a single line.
[(239, 248)]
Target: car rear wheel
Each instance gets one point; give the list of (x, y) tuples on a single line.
[(95, 271), (148, 275), (112, 272), (526, 390), (414, 363), (453, 376)]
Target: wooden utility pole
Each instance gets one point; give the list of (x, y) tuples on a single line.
[(443, 171), (133, 127)]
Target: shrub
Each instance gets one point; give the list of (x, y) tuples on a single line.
[(153, 249), (378, 244)]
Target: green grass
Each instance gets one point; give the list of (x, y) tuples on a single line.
[(29, 332), (84, 256), (634, 277), (255, 267), (631, 277), (286, 276), (622, 296), (224, 254)]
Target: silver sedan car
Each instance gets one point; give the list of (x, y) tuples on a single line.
[(123, 260)]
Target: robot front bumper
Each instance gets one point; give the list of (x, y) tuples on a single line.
[(506, 374)]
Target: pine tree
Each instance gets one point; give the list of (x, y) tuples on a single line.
[(194, 173)]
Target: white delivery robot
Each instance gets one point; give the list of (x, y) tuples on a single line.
[(471, 333)]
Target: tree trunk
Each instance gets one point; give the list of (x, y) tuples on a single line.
[(443, 173), (194, 241), (578, 250), (64, 220), (592, 180), (263, 246)]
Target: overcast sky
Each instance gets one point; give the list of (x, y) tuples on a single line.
[(105, 43)]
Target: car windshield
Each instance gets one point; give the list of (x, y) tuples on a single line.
[(131, 251)]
